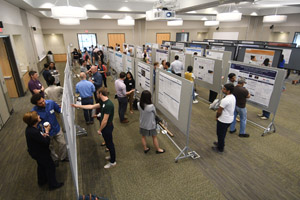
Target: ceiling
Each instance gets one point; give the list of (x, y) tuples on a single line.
[(186, 9)]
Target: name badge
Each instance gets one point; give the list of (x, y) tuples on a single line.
[(92, 78), (52, 111), (130, 83), (40, 84), (103, 106)]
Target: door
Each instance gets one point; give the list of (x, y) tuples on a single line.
[(162, 36), (116, 38), (7, 72)]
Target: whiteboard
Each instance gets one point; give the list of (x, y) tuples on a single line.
[(39, 44), (226, 35)]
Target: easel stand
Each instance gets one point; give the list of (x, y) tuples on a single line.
[(270, 128)]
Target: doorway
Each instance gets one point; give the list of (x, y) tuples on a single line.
[(162, 36), (182, 37), (9, 68), (85, 40), (116, 38)]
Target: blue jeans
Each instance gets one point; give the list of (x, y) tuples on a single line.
[(87, 113), (266, 114), (194, 93), (243, 117), (122, 107)]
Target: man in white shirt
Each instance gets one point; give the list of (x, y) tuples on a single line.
[(177, 66), (225, 116), (54, 92)]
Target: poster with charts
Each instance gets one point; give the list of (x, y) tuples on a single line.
[(169, 93), (139, 52), (118, 62), (193, 50), (218, 48), (111, 58), (181, 56), (258, 56), (214, 55), (259, 82), (128, 64), (162, 55), (143, 78), (204, 69)]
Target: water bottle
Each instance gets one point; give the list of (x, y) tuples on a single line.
[(157, 129)]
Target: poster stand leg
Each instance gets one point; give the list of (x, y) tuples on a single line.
[(80, 130)]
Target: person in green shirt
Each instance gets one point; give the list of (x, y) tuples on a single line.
[(106, 123)]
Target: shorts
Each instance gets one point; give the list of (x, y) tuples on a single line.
[(145, 132)]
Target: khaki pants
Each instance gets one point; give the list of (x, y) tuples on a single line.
[(62, 147), (130, 100)]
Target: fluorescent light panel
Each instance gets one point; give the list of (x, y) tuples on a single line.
[(274, 18), (175, 23), (69, 21), (126, 22), (229, 17), (211, 23), (68, 12)]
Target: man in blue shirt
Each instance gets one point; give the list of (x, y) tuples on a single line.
[(96, 79), (86, 90), (46, 110)]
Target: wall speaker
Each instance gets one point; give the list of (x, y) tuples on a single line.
[(272, 26), (33, 28)]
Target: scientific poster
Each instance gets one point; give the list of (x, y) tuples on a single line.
[(258, 56), (128, 64), (218, 48), (143, 78), (286, 54), (259, 82), (193, 50), (154, 45), (169, 98), (179, 45), (111, 58), (181, 57), (215, 55), (118, 62), (204, 69), (139, 52), (162, 55)]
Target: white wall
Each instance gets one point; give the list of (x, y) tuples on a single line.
[(10, 14), (55, 43)]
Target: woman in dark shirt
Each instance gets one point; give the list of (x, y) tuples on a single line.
[(38, 148), (130, 84), (102, 70)]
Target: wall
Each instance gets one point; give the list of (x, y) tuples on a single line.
[(55, 43)]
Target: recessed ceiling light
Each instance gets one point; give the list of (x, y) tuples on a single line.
[(106, 17), (254, 14), (204, 18), (90, 7), (191, 12), (124, 8)]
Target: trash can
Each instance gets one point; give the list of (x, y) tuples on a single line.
[(50, 57)]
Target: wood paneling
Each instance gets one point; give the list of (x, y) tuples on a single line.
[(60, 57), (6, 69), (114, 38), (26, 79), (162, 36)]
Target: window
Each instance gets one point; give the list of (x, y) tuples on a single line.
[(182, 37), (297, 39), (86, 40)]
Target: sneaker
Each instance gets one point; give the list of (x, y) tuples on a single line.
[(264, 118), (216, 149), (232, 131), (195, 101), (244, 135), (260, 115), (109, 165), (107, 157)]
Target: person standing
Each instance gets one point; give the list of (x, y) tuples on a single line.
[(46, 110), (46, 73), (241, 94), (122, 96), (96, 79), (162, 65), (75, 56), (130, 85), (106, 123), (86, 89), (38, 148), (224, 116), (177, 66), (147, 121), (102, 70), (34, 85), (54, 92), (190, 76)]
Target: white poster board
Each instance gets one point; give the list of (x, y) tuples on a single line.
[(181, 56), (139, 52), (162, 55), (226, 35), (156, 46), (258, 55), (190, 50), (213, 54), (143, 73), (169, 93), (286, 54), (259, 82), (218, 48), (128, 64), (118, 64), (204, 69), (111, 58)]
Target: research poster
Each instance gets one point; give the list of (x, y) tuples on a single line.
[(204, 69), (218, 48), (111, 57), (286, 54), (128, 63), (215, 55), (169, 93), (259, 82), (131, 47), (193, 50), (181, 57), (139, 52), (118, 62), (144, 75), (179, 45), (162, 55), (257, 56), (154, 45)]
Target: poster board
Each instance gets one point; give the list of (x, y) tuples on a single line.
[(68, 116), (175, 103), (232, 49), (208, 73), (118, 63), (192, 50), (144, 76), (132, 49), (263, 83), (186, 59), (161, 55), (291, 57), (259, 54), (111, 58)]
